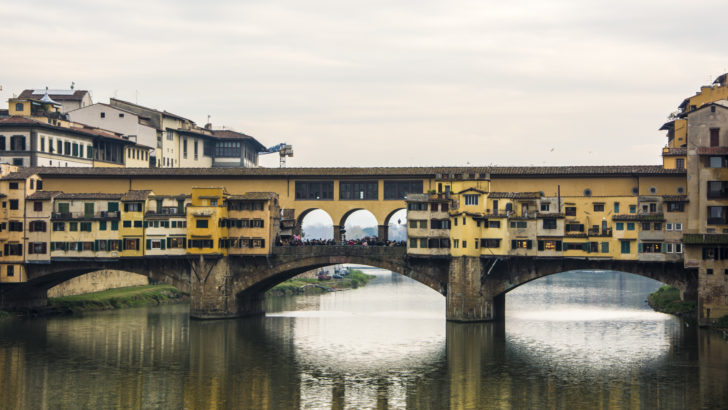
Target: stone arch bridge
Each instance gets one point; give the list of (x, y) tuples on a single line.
[(231, 286)]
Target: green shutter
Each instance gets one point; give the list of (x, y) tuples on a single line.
[(169, 242), (121, 245), (528, 244), (513, 244), (639, 247), (558, 245), (163, 244), (53, 246), (149, 244), (540, 245)]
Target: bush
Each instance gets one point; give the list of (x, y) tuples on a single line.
[(722, 322)]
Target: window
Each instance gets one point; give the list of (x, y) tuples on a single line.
[(131, 244), (471, 199), (650, 247), (490, 243), (184, 148), (37, 226), (114, 225), (121, 115), (680, 163), (102, 114), (196, 150), (616, 207), (620, 226), (359, 190), (60, 147), (630, 226), (658, 226), (668, 227), (605, 247), (423, 243), (13, 249), (89, 152), (13, 185), (678, 227), (133, 207), (625, 247), (598, 207), (668, 248), (645, 226), (19, 107), (465, 244), (15, 226), (675, 207), (633, 209), (574, 227), (545, 207), (229, 149), (39, 185), (37, 206), (126, 224), (549, 223), (13, 204), (717, 215), (102, 225), (59, 226), (413, 243), (2, 143), (519, 224), (398, 189), (493, 224), (714, 137), (314, 190), (570, 211), (170, 135), (521, 244), (201, 223), (37, 248), (42, 144), (678, 248), (549, 245), (73, 226)]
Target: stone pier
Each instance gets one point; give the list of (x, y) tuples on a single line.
[(468, 299)]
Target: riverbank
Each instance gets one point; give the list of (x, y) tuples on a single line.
[(133, 296), (667, 300), (300, 286)]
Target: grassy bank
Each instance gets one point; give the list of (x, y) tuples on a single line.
[(118, 298), (298, 286), (667, 300)]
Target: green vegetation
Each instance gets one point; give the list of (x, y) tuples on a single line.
[(118, 298), (4, 315), (667, 300), (722, 322), (297, 286)]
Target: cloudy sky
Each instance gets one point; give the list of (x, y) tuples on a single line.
[(387, 83)]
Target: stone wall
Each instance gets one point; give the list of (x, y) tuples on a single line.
[(97, 281)]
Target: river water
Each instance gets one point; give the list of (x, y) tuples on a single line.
[(573, 340)]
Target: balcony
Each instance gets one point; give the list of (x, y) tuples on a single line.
[(597, 232), (84, 215)]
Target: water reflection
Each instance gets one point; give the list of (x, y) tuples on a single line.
[(573, 340)]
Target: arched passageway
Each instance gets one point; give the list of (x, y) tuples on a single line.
[(396, 224), (316, 225), (359, 224)]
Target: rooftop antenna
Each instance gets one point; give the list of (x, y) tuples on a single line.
[(73, 84)]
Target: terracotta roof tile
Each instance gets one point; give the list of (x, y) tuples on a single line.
[(675, 152), (253, 196), (712, 150), (675, 198), (404, 173), (515, 195), (89, 195), (43, 195), (136, 195)]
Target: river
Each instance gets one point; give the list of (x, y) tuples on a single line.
[(573, 340)]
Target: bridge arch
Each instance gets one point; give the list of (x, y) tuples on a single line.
[(319, 214), (292, 261), (366, 218), (508, 274)]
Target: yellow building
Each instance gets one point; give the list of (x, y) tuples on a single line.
[(207, 231), (132, 222), (253, 223)]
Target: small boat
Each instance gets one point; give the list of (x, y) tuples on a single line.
[(323, 276), (337, 276)]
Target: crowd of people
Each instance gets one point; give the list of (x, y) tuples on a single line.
[(367, 241)]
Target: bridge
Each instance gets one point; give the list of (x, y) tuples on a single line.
[(232, 286)]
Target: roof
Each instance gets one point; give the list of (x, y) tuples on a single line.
[(57, 95), (639, 217), (712, 150), (75, 128), (707, 239), (400, 173), (193, 133), (164, 113), (253, 196), (234, 135), (20, 174), (43, 195), (88, 195), (136, 195), (480, 191), (675, 152), (675, 198), (515, 195)]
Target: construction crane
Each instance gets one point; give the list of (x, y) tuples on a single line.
[(283, 149)]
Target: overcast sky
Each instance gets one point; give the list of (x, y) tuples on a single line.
[(387, 83)]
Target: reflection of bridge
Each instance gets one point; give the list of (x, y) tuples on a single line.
[(228, 286)]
